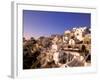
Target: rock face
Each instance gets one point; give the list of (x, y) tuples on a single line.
[(72, 49)]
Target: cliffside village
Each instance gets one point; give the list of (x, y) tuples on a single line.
[(70, 49)]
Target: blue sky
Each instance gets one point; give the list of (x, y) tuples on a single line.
[(45, 23)]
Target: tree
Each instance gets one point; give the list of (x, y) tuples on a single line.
[(32, 39), (24, 39)]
